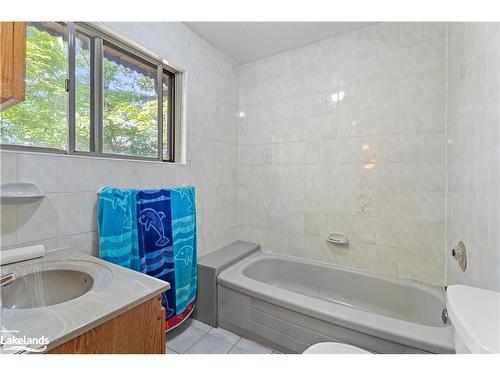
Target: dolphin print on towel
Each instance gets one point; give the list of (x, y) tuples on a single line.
[(185, 254), (152, 219), (120, 199), (169, 312)]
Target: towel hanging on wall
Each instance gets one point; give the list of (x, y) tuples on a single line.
[(153, 232)]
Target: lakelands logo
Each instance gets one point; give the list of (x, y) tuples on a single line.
[(9, 342)]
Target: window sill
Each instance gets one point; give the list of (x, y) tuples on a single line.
[(56, 152)]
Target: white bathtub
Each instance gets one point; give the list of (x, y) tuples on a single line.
[(291, 303)]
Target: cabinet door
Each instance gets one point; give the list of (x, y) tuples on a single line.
[(140, 330), (12, 63)]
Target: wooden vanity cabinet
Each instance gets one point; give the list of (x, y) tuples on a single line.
[(12, 63), (140, 330)]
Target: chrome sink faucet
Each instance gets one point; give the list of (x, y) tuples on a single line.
[(7, 279)]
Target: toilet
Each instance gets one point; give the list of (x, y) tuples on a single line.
[(334, 348), (475, 316)]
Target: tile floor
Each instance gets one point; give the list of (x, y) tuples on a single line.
[(195, 337)]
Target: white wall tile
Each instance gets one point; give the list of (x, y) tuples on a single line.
[(8, 225), (387, 262), (77, 213), (472, 151), (411, 147), (387, 230), (432, 269), (410, 265), (388, 204), (433, 207), (433, 237), (76, 174), (37, 221), (378, 137), (42, 170), (86, 242), (387, 148), (411, 89), (8, 166), (366, 230)]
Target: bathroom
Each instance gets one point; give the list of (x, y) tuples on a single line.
[(311, 187)]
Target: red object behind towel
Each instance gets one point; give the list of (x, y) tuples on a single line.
[(178, 319)]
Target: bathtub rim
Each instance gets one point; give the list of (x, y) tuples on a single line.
[(428, 338)]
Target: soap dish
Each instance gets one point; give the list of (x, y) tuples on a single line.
[(20, 192), (338, 239)]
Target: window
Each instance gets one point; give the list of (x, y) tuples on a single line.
[(83, 92), (168, 113), (130, 111), (92, 93)]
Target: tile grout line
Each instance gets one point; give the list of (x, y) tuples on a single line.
[(231, 348), (234, 345), (208, 333), (219, 338), (204, 334)]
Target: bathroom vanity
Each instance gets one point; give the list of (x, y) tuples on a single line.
[(82, 304), (139, 330)]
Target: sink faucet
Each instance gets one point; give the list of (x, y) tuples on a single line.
[(7, 279)]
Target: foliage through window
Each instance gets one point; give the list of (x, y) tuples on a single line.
[(89, 93), (41, 120), (130, 105)]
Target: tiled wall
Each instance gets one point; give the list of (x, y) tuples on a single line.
[(344, 135), (473, 206), (348, 135), (67, 216)]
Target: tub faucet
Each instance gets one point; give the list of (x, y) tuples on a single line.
[(7, 279)]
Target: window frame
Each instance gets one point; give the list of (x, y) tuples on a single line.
[(97, 34)]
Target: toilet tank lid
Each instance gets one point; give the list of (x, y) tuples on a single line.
[(475, 315)]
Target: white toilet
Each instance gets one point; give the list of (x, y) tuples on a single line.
[(473, 312), (334, 348), (475, 315)]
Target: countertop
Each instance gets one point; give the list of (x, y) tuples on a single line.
[(115, 291)]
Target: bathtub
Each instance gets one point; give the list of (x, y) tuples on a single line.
[(290, 303)]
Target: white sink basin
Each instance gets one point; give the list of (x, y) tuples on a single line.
[(45, 288), (83, 292), (50, 283)]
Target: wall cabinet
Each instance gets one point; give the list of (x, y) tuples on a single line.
[(12, 63), (140, 330)]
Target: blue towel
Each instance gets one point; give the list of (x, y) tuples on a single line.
[(117, 226), (184, 237), (155, 240), (154, 232)]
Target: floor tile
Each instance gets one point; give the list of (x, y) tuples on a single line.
[(236, 350), (224, 335), (182, 338), (171, 351), (209, 345), (252, 347), (199, 325)]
